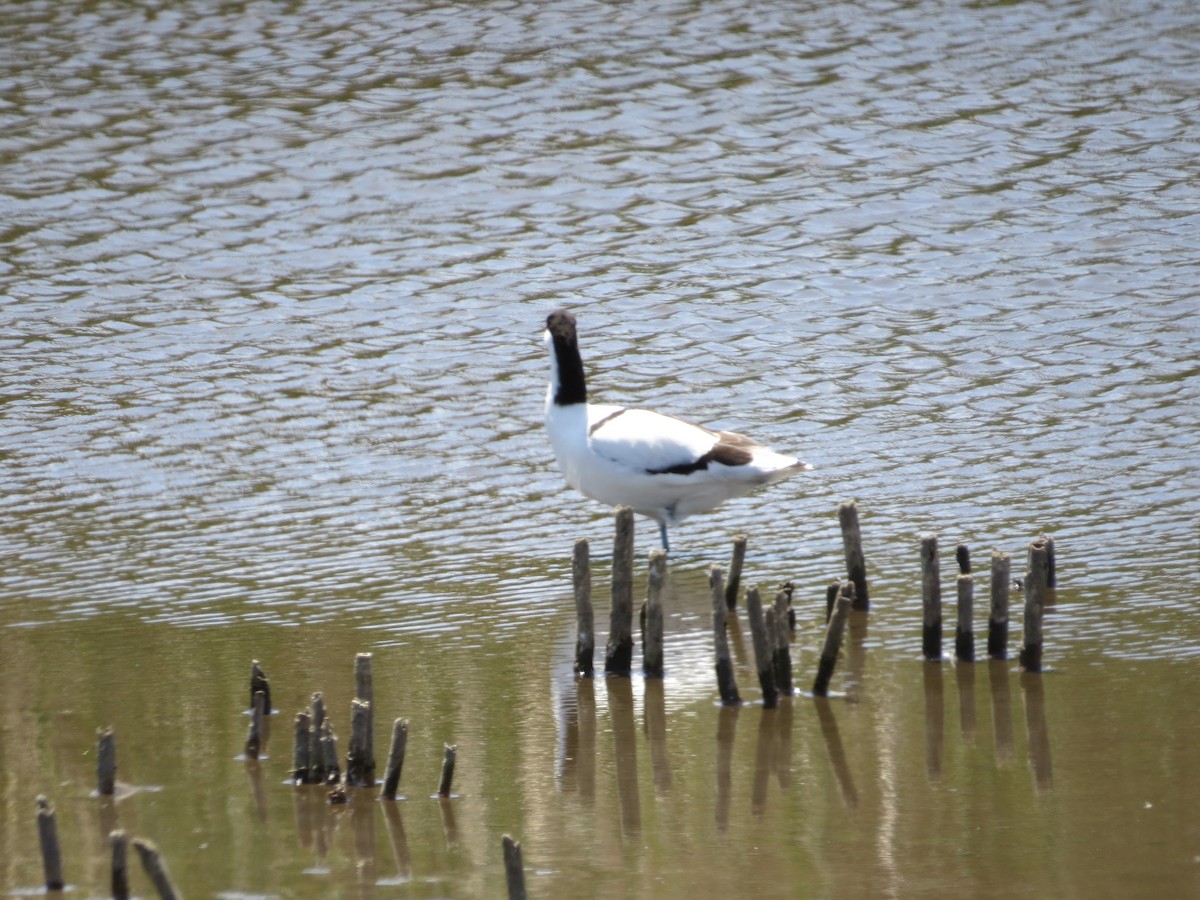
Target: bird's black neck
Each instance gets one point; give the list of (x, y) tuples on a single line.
[(571, 385)]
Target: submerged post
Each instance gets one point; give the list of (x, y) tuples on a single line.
[(360, 768), (585, 628), (1051, 564), (156, 868), (726, 684), (514, 870), (734, 583), (106, 762), (395, 763), (997, 641), (1035, 600), (302, 749), (782, 655), (119, 845), (833, 639), (856, 566), (259, 682), (48, 839), (964, 632), (449, 758), (931, 599), (618, 658), (763, 646), (652, 648)]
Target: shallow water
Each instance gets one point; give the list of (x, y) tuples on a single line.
[(271, 293)]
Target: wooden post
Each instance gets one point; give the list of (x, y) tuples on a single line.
[(360, 769), (763, 649), (652, 647), (330, 768), (726, 683), (395, 763), (618, 658), (1035, 600), (254, 737), (449, 757), (106, 762), (962, 555), (316, 753), (734, 583), (833, 639), (831, 595), (997, 641), (964, 632), (364, 689), (931, 598), (259, 682), (585, 629), (302, 749), (856, 567), (782, 655), (156, 868), (119, 843), (1051, 565), (514, 871), (48, 838)]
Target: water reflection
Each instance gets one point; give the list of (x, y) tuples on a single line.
[(835, 750), (1032, 688), (934, 719), (620, 710), (1002, 725)]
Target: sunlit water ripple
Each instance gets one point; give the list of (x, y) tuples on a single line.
[(273, 282)]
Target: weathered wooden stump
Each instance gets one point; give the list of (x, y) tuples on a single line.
[(395, 763), (997, 642), (618, 658), (156, 868), (1035, 601), (931, 599), (733, 584), (514, 870), (302, 761), (834, 633), (449, 759), (259, 682), (763, 649), (585, 629), (106, 762), (782, 654), (118, 843), (856, 566), (964, 631), (726, 683), (47, 824)]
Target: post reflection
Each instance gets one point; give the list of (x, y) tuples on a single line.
[(1039, 736), (254, 776), (837, 753), (577, 750), (964, 677), (934, 719), (656, 732), (726, 732), (620, 707), (1001, 710), (398, 840)]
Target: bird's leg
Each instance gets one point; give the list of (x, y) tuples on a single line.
[(662, 531)]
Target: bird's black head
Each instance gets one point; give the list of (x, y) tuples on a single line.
[(561, 325)]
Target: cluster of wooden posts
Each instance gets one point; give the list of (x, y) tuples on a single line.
[(314, 762), (771, 625), (152, 861), (315, 756)]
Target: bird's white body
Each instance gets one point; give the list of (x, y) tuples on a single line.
[(662, 467)]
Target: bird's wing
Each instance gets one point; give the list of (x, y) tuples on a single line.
[(648, 441)]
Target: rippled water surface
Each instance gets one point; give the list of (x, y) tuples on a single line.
[(273, 278)]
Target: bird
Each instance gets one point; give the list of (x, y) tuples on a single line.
[(663, 467)]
